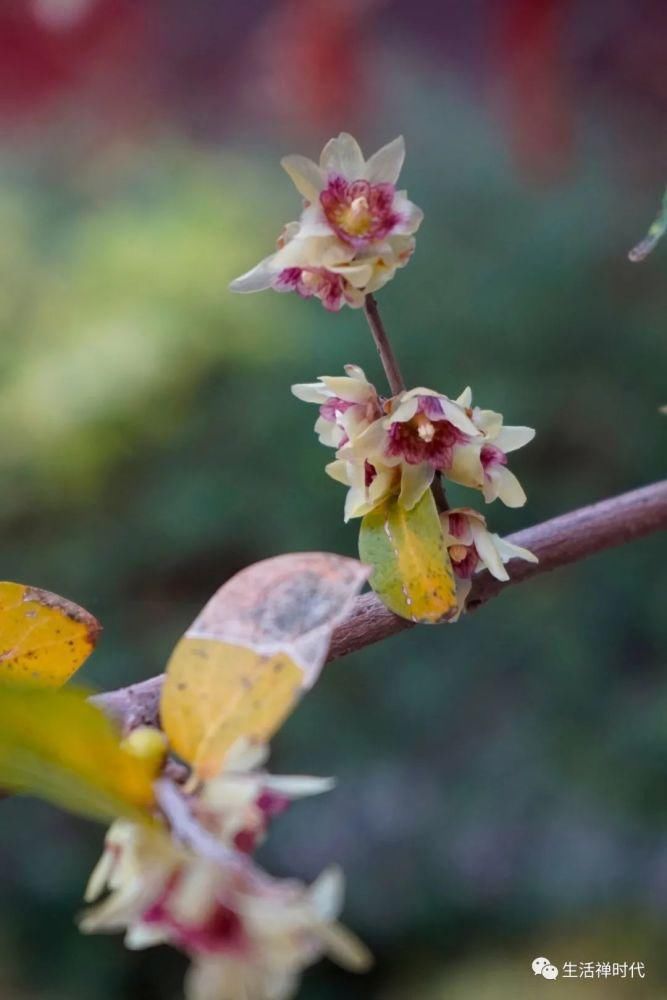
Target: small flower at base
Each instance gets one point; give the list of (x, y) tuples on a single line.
[(369, 483), (482, 463), (333, 290), (472, 548)]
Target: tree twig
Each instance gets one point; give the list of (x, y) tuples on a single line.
[(395, 378), (439, 494), (558, 542), (385, 350)]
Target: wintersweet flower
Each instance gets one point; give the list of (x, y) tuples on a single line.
[(281, 932), (355, 231), (247, 937), (353, 198), (418, 436), (369, 483), (482, 463), (348, 405), (472, 547), (137, 864), (238, 805)]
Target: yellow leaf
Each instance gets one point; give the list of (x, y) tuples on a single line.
[(59, 747), (216, 692), (412, 573), (44, 639), (257, 645)]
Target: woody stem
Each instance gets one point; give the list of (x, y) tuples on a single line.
[(384, 348), (566, 539), (439, 493), (395, 378)]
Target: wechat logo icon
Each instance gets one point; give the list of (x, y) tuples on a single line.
[(543, 967)]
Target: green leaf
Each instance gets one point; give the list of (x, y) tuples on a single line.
[(412, 574), (59, 747)]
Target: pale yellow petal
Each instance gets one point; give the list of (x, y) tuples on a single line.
[(343, 156), (354, 371), (358, 275), (306, 176), (410, 216), (511, 438), (408, 404), (458, 417), (338, 470), (415, 480), (257, 279), (371, 445), (509, 551), (466, 468), (488, 553), (310, 392), (489, 422), (313, 222), (356, 503), (352, 390), (509, 489), (385, 166)]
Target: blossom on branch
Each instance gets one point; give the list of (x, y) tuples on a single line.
[(246, 933), (348, 405), (369, 483), (418, 436), (282, 931), (482, 463), (355, 230), (472, 548), (397, 445), (238, 805), (354, 198), (247, 936)]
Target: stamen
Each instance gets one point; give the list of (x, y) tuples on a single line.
[(359, 207), (310, 279), (457, 553), (426, 430)]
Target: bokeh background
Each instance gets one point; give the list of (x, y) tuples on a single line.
[(502, 782)]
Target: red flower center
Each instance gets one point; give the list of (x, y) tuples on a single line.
[(221, 932), (359, 212), (370, 472), (333, 406), (490, 456), (464, 559), (426, 437)]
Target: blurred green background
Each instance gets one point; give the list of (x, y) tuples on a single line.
[(502, 781)]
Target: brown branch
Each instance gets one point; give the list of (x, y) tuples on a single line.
[(562, 540), (385, 350)]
